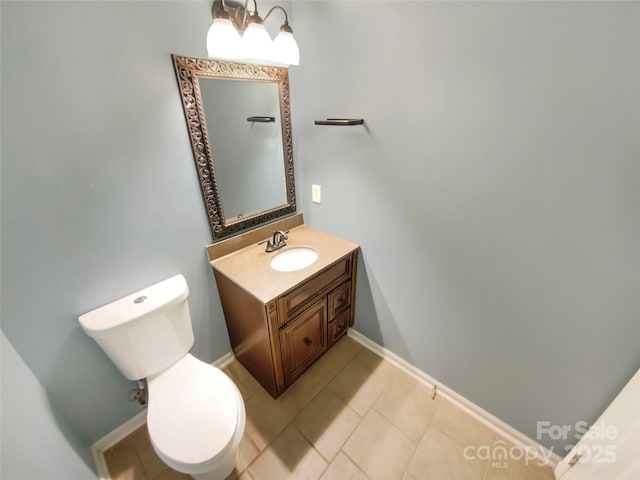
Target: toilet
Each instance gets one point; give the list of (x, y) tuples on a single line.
[(195, 413)]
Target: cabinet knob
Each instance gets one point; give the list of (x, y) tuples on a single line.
[(307, 341)]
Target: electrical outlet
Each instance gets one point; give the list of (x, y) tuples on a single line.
[(316, 193)]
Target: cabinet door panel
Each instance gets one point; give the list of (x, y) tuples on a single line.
[(303, 340)]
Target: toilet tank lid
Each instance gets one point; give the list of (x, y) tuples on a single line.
[(138, 304)]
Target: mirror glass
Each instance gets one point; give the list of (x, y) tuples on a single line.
[(238, 118), (243, 120)]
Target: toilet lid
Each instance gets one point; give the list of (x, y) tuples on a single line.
[(193, 411)]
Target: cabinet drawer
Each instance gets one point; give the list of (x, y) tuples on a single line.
[(339, 326), (303, 340), (295, 299), (339, 299)]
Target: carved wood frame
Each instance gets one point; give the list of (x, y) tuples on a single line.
[(188, 72)]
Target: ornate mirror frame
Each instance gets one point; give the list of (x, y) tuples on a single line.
[(189, 72)]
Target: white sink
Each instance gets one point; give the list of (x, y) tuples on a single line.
[(293, 259)]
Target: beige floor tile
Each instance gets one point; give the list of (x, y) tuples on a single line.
[(236, 475), (169, 474), (408, 476), (372, 362), (123, 462), (266, 418), (247, 453), (357, 387), (439, 456), (460, 426), (408, 406), (302, 391), (327, 422), (343, 469), (290, 456), (379, 448), (518, 471), (337, 357), (298, 395), (243, 379), (151, 463), (509, 462)]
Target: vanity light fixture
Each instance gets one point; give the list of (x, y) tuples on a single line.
[(230, 19)]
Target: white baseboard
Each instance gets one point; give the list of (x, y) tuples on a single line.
[(130, 426), (494, 423), (110, 439)]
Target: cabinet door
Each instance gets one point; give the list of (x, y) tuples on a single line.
[(338, 327), (303, 340)]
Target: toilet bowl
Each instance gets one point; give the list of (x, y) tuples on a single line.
[(195, 418), (195, 413)]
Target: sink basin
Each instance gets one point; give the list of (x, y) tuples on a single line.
[(293, 259)]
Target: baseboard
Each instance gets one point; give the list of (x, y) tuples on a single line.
[(130, 426), (110, 439), (494, 423)]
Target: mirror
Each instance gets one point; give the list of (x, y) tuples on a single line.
[(239, 124)]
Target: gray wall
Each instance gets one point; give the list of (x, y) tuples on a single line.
[(494, 190), (33, 445), (100, 195)]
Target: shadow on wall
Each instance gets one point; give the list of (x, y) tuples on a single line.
[(77, 397), (374, 318)]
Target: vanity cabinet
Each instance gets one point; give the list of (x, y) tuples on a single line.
[(278, 340)]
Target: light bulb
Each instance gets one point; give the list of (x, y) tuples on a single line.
[(256, 42), (285, 49), (223, 40)]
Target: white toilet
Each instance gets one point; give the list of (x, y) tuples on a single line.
[(195, 413)]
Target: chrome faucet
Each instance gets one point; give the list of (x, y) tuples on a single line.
[(278, 241)]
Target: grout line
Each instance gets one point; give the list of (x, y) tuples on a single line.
[(494, 423), (353, 462)]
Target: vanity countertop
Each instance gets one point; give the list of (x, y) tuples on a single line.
[(249, 267)]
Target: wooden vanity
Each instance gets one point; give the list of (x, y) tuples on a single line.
[(279, 323)]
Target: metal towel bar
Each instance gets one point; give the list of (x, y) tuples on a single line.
[(340, 121), (261, 119)]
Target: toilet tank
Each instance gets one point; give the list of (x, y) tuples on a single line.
[(146, 332)]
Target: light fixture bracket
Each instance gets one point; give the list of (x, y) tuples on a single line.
[(235, 11)]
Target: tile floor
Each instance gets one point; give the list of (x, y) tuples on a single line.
[(352, 415)]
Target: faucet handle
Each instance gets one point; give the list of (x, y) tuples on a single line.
[(279, 237)]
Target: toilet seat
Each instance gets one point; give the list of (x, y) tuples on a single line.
[(195, 416)]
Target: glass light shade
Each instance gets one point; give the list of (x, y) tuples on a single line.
[(256, 42), (223, 40), (285, 49)]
